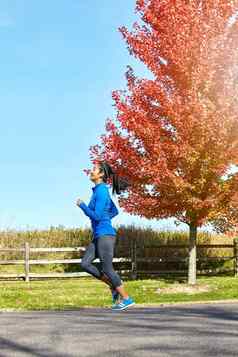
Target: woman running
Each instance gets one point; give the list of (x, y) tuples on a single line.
[(101, 210)]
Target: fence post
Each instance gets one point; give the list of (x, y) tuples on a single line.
[(27, 265), (134, 259), (236, 256)]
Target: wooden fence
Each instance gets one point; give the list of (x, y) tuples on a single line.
[(135, 260), (138, 259), (27, 262)]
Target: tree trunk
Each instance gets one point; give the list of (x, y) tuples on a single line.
[(192, 255)]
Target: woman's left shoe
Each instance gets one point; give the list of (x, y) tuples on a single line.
[(124, 304)]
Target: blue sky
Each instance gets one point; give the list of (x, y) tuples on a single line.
[(60, 61)]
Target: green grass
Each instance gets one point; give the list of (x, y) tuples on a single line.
[(87, 292)]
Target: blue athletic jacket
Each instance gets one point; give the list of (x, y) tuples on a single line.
[(101, 210)]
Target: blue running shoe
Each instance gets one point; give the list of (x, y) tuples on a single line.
[(124, 304), (115, 296)]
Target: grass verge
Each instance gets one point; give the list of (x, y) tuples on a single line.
[(86, 292)]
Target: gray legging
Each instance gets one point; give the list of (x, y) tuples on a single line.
[(102, 248)]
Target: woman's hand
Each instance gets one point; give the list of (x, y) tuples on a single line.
[(79, 201)]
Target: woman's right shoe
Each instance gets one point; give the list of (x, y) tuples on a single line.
[(124, 304)]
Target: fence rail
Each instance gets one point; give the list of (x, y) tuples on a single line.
[(136, 259), (133, 260), (27, 262)]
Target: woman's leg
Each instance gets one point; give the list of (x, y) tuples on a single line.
[(88, 258), (86, 263), (105, 249)]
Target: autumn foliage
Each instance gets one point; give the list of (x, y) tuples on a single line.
[(175, 136)]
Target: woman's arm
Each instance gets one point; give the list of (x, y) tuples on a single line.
[(101, 200)]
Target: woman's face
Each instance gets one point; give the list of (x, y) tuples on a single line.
[(95, 174)]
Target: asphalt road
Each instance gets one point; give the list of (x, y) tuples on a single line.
[(185, 330)]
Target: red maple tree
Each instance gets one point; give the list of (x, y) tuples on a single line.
[(175, 136)]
